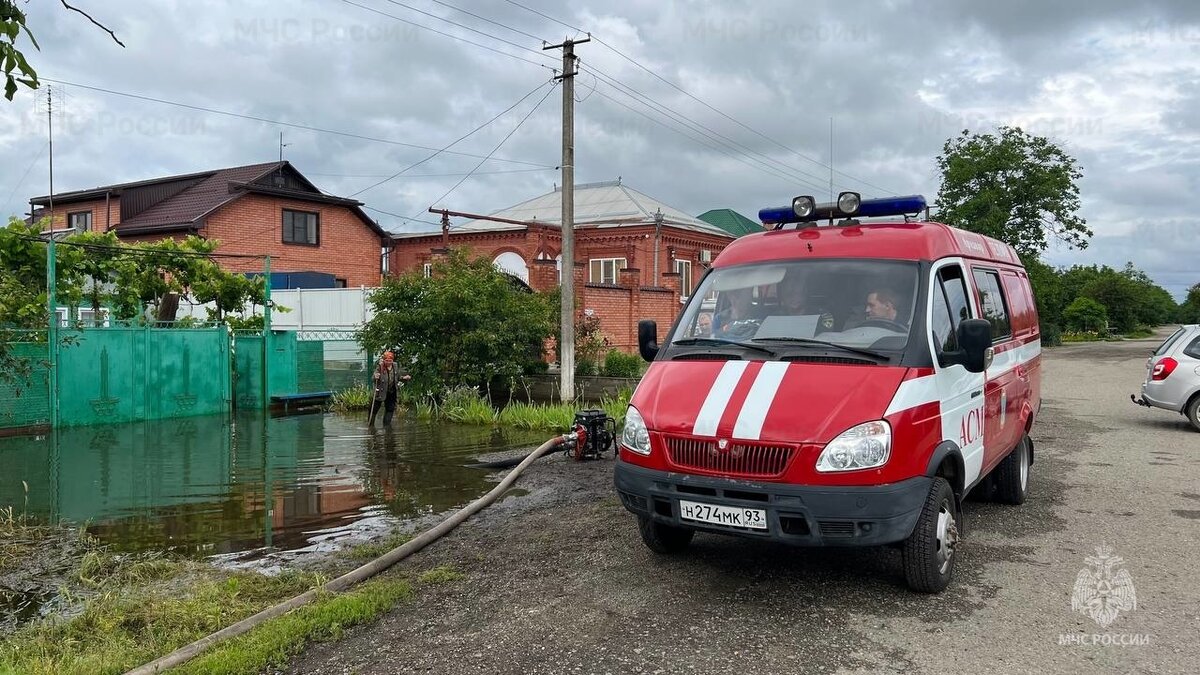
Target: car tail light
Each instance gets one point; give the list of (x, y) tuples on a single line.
[(1163, 368)]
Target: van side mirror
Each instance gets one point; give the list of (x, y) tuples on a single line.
[(975, 344), (648, 339)]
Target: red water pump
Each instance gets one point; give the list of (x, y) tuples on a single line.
[(595, 433)]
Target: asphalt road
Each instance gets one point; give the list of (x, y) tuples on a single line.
[(558, 581)]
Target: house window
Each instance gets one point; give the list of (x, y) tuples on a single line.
[(427, 270), (301, 227), (684, 267), (339, 282), (80, 221), (604, 270)]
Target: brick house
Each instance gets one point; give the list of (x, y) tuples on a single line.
[(635, 257), (314, 239)]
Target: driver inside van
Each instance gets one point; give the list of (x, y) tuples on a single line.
[(882, 304)]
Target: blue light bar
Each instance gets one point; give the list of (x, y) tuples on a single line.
[(870, 208), (778, 214), (891, 206)]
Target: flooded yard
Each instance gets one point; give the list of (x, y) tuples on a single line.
[(226, 484), (228, 487)]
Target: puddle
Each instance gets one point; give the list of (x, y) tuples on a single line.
[(226, 484)]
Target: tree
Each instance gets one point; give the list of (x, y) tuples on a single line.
[(1085, 314), (1015, 187), (1189, 311), (12, 25), (468, 324)]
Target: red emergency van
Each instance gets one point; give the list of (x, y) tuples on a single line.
[(854, 379)]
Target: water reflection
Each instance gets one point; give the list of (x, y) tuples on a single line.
[(223, 484)]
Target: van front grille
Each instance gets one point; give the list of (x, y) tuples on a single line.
[(736, 459)]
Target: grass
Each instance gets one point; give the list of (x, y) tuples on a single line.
[(373, 550), (355, 397), (440, 575), (274, 643), (147, 608), (467, 406)]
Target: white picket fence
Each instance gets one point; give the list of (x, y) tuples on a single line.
[(310, 309)]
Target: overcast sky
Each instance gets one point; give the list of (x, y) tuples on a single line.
[(1116, 83)]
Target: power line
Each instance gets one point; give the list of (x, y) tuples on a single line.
[(547, 16), (788, 179), (451, 35), (483, 18), (25, 175), (704, 130), (397, 215), (291, 125), (747, 127), (498, 145), (425, 175), (698, 100), (453, 143), (464, 26)]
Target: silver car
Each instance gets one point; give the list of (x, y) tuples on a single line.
[(1173, 375)]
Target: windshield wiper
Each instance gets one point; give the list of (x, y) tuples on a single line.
[(722, 341), (823, 343)]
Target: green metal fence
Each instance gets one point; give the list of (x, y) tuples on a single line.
[(25, 392), (123, 374), (128, 373)]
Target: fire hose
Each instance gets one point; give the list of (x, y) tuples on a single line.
[(571, 440)]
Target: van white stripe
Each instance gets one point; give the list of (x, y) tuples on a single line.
[(718, 398), (923, 390), (758, 401)]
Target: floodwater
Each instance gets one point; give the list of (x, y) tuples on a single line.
[(204, 486)]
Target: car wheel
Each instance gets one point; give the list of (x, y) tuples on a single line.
[(929, 552), (1193, 411), (1012, 475), (662, 538)]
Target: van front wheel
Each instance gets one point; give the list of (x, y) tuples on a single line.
[(662, 538), (929, 552)]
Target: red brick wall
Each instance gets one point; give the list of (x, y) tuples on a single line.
[(254, 225), (59, 220)]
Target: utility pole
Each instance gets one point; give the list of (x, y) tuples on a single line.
[(50, 120), (658, 221), (566, 345)]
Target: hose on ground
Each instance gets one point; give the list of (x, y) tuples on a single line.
[(383, 562)]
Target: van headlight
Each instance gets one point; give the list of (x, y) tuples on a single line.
[(865, 446), (635, 435)]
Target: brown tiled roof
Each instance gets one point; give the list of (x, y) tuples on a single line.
[(199, 200), (183, 201)]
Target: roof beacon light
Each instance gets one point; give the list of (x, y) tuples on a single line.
[(849, 204), (803, 206)]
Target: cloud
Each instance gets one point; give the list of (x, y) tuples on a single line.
[(1113, 82)]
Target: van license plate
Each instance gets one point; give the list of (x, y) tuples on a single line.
[(755, 519)]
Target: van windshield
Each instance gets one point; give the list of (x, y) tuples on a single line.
[(867, 304)]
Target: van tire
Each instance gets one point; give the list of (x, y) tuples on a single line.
[(664, 539), (1193, 411), (1012, 475), (929, 555)]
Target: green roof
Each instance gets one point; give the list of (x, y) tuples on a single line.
[(731, 221)]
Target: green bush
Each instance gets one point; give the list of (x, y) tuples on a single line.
[(620, 364), (584, 367), (1051, 335)]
